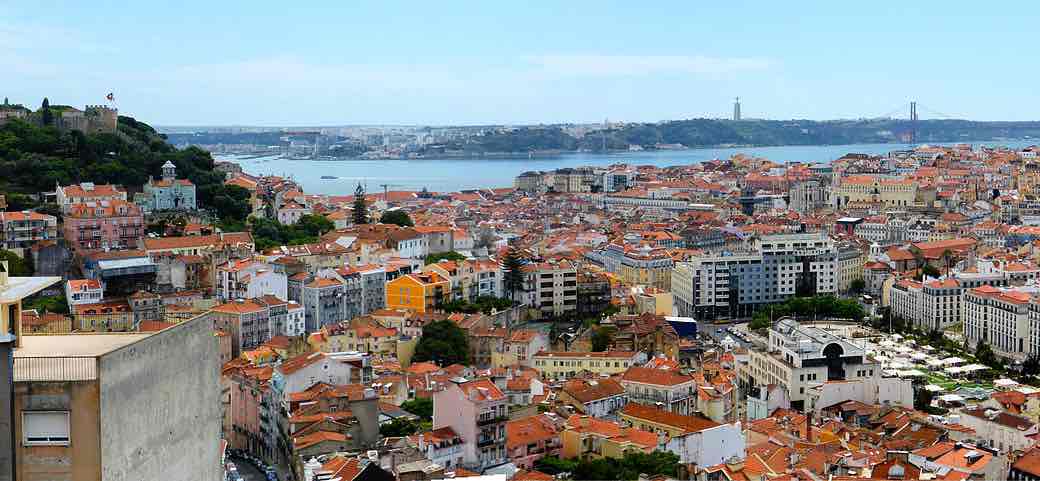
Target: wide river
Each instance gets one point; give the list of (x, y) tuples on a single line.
[(449, 175)]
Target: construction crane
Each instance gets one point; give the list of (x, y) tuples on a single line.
[(386, 191)]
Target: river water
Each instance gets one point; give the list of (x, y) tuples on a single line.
[(453, 174)]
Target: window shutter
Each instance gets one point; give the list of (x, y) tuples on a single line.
[(45, 427)]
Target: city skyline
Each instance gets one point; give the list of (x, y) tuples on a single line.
[(393, 63)]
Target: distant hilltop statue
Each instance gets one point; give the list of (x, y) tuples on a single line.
[(92, 119)]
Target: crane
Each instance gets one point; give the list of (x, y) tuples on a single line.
[(386, 191)]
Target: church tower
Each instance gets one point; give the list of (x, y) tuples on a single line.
[(169, 171)]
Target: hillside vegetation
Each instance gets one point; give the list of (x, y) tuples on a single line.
[(35, 158)]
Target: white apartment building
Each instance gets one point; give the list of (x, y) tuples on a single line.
[(83, 291), (667, 389), (777, 268), (552, 287), (250, 278), (932, 305), (799, 358), (1002, 318)]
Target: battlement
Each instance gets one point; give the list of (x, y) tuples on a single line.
[(100, 109)]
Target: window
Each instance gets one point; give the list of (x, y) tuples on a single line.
[(45, 428)]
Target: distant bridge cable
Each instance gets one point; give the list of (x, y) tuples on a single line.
[(941, 115)]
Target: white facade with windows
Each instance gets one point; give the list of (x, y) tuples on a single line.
[(777, 268), (799, 358), (1002, 319)]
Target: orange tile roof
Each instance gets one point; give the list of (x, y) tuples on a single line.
[(294, 364), (1029, 462), (957, 459), (342, 468), (529, 430), (689, 424), (660, 377), (215, 240), (236, 307), (318, 437), (484, 389)]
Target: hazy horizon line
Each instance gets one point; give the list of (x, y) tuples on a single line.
[(552, 124)]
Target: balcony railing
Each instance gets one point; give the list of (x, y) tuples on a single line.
[(55, 368), (497, 419)]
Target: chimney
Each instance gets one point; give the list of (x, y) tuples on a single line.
[(808, 426), (422, 443)]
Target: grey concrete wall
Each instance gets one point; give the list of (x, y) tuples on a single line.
[(160, 406), (6, 423), (366, 434)]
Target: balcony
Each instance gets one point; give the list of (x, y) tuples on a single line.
[(484, 442), (483, 421)]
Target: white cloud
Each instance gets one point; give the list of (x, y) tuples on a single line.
[(626, 65)]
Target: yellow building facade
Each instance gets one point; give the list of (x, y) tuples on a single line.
[(565, 365)]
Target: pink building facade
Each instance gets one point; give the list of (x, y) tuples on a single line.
[(108, 224)]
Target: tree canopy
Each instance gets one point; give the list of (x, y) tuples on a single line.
[(601, 338), (444, 256), (16, 266), (443, 343), (484, 304), (268, 233), (398, 217), (34, 158), (513, 274), (360, 207), (420, 406), (629, 467), (822, 307), (399, 427)]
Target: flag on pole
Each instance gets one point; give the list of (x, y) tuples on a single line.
[(110, 97)]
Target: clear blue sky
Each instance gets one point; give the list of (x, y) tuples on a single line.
[(422, 62)]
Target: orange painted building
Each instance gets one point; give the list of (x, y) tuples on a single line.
[(418, 292)]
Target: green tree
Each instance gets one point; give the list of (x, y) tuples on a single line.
[(56, 304), (857, 285), (398, 217), (443, 343), (929, 271), (420, 406), (16, 266), (360, 207), (985, 355), (444, 256), (513, 273), (923, 399), (553, 465), (601, 339), (1031, 366), (399, 427), (484, 304), (16, 201), (314, 225), (628, 467), (46, 115)]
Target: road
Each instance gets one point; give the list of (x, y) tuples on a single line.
[(248, 471), (711, 330)]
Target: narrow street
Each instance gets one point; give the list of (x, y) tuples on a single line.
[(247, 470)]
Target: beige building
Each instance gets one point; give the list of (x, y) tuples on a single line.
[(565, 365), (552, 288), (890, 191), (851, 260)]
